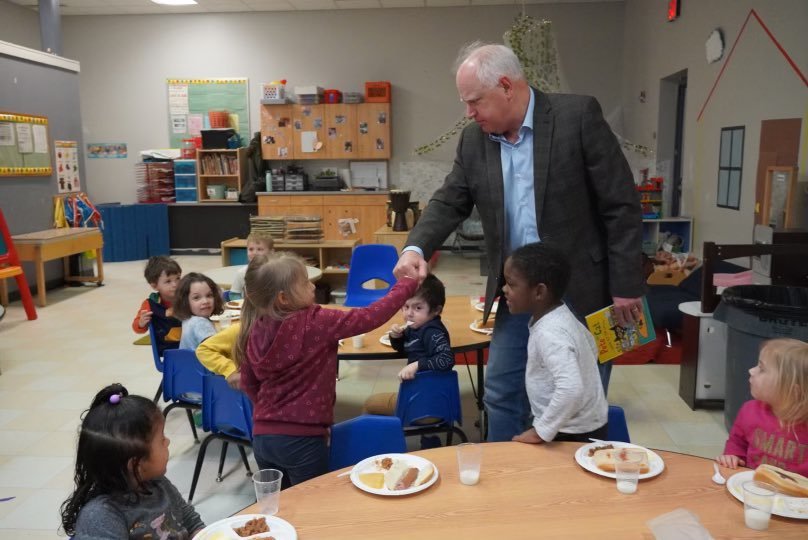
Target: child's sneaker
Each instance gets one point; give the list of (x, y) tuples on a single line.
[(198, 418), (430, 441)]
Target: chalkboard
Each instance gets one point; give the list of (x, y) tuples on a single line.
[(24, 145), (191, 100)]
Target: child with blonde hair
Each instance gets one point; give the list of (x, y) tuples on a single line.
[(258, 243), (287, 355), (772, 427)]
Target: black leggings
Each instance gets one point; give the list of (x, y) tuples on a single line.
[(601, 433)]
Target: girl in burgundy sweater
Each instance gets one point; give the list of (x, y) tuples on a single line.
[(287, 353)]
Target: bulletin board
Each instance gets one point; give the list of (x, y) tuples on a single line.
[(190, 100), (24, 146)]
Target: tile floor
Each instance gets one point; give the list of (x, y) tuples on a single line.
[(52, 367)]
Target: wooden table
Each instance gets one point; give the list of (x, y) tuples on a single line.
[(457, 316), (525, 491), (42, 246), (223, 276)]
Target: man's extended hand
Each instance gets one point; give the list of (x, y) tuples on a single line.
[(627, 311), (411, 264)]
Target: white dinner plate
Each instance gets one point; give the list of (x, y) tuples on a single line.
[(385, 340), (474, 328), (480, 306), (233, 314), (234, 304), (371, 465), (279, 529), (785, 506), (655, 463)]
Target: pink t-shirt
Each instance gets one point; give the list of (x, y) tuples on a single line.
[(758, 437)]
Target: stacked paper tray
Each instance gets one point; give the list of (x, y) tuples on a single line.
[(274, 225), (303, 229)]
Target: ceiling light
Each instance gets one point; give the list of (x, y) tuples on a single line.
[(175, 2)]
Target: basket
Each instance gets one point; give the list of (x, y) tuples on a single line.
[(219, 119), (377, 92), (333, 96), (274, 91)]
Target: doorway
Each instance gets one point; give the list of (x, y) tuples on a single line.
[(779, 146), (670, 139)]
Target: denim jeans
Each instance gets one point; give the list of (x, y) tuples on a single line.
[(505, 396), (298, 458)]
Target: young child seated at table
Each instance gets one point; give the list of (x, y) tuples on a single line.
[(198, 297), (772, 427), (258, 243), (561, 378), (120, 486), (424, 339), (216, 354), (287, 354), (163, 274)]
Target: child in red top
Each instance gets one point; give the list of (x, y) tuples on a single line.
[(773, 427), (287, 353), (163, 274)]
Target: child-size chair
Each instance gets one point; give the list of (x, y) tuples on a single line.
[(10, 267), (227, 415), (364, 436), (182, 383), (370, 261), (617, 428), (430, 403)]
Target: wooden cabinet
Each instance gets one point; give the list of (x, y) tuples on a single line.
[(343, 131), (369, 210), (223, 167)]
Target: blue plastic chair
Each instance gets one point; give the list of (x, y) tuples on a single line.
[(182, 383), (430, 403), (228, 415), (159, 327), (617, 428), (364, 436), (370, 261)]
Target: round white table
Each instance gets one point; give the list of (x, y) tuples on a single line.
[(223, 276)]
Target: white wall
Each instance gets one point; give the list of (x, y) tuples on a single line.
[(19, 25), (126, 59), (758, 84)]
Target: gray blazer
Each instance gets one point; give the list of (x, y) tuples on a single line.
[(586, 202)]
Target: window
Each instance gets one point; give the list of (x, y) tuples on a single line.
[(730, 166)]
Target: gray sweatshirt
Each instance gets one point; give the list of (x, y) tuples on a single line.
[(161, 515)]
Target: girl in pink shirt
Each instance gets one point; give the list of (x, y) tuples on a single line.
[(773, 427)]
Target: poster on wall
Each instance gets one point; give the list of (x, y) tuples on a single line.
[(67, 166), (24, 145), (106, 150), (197, 104)]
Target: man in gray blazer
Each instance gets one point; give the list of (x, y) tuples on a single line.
[(539, 167)]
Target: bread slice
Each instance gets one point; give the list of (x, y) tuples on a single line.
[(605, 459), (786, 482), (400, 476), (424, 475)]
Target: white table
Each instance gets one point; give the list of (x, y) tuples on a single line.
[(223, 276)]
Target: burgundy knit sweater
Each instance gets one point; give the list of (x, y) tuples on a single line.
[(291, 367)]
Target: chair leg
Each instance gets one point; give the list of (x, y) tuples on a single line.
[(449, 437), (191, 421), (200, 458), (244, 459), (159, 391), (221, 461), (25, 296)]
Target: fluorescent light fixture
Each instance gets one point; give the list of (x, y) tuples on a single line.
[(175, 2)]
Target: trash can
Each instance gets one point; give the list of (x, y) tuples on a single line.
[(754, 314)]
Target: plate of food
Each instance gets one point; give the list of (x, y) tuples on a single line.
[(231, 314), (394, 475), (478, 326), (234, 304), (248, 527), (599, 458), (480, 306), (385, 339), (792, 497)]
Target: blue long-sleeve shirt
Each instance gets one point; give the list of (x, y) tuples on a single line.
[(428, 345)]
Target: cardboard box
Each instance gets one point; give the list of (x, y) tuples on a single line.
[(666, 277)]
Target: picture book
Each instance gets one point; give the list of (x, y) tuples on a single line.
[(612, 339)]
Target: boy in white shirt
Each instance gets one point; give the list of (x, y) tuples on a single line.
[(562, 381)]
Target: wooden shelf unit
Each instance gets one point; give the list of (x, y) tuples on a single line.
[(652, 229), (216, 172)]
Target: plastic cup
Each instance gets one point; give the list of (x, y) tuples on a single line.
[(469, 460), (224, 320), (268, 490), (627, 470), (758, 499), (358, 341)]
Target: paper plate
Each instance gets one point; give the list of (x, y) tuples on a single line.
[(279, 529), (785, 506), (232, 314), (234, 304), (655, 463), (371, 465), (385, 340), (475, 328)]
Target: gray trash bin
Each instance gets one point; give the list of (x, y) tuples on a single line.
[(754, 314)]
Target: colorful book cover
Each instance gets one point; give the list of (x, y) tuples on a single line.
[(612, 339)]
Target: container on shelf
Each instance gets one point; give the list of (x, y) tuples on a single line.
[(231, 194), (216, 191), (377, 92), (188, 149), (219, 119)]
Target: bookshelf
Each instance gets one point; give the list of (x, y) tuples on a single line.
[(220, 167)]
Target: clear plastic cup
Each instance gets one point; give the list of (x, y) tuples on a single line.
[(469, 460), (758, 499), (268, 490), (358, 341), (224, 320), (627, 470)]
